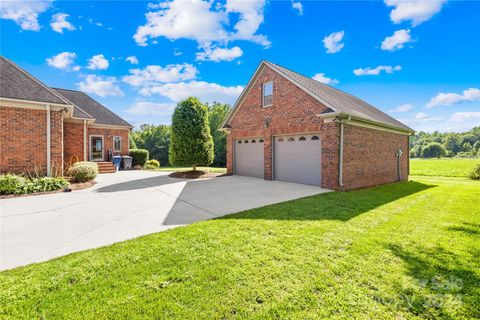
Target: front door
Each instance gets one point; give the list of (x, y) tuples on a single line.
[(96, 146)]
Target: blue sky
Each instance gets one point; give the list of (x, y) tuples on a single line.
[(416, 60)]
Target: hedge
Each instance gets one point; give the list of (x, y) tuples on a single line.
[(83, 171), (15, 184), (139, 157)]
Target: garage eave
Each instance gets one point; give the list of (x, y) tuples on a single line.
[(363, 122)]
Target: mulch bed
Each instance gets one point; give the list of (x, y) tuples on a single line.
[(71, 187), (197, 174)]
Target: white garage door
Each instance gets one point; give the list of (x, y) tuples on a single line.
[(249, 157), (297, 158)]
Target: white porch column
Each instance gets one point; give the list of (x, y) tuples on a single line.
[(85, 140)]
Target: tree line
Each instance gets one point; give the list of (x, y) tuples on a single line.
[(189, 119), (445, 144)]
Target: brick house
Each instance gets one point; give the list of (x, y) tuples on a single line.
[(288, 127), (44, 129)]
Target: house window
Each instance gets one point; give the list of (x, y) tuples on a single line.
[(117, 144), (267, 94)]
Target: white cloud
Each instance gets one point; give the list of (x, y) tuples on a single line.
[(219, 54), (100, 86), (59, 22), (321, 77), (448, 99), (98, 62), (403, 108), (153, 75), (397, 40), (375, 71), (465, 116), (205, 91), (250, 17), (64, 61), (421, 116), (24, 13), (204, 21), (95, 23), (333, 43), (151, 108), (132, 59), (298, 6), (416, 11)]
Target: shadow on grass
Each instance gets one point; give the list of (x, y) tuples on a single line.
[(467, 228), (335, 205), (446, 286)]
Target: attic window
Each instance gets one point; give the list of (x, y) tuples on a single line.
[(267, 94)]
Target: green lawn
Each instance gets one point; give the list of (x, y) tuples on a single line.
[(442, 167), (402, 251), (211, 169)]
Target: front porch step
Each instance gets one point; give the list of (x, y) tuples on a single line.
[(106, 167)]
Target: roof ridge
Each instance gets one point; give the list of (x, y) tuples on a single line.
[(35, 79)]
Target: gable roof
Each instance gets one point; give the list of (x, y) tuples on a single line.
[(16, 83), (87, 107), (339, 102)]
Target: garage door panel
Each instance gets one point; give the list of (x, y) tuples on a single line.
[(249, 158), (298, 160)]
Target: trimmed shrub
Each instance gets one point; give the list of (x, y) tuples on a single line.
[(13, 184), (152, 164), (83, 171), (474, 174), (139, 157), (191, 141)]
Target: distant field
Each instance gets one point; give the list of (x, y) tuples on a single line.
[(442, 167)]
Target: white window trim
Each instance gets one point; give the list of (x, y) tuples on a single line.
[(90, 147), (263, 94), (113, 142)]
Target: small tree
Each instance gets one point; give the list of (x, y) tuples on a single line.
[(191, 143), (433, 150)]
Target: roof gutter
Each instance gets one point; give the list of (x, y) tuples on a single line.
[(352, 119)]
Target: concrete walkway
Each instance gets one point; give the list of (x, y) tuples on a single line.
[(125, 205)]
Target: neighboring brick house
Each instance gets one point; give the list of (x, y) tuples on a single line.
[(44, 129), (285, 126)]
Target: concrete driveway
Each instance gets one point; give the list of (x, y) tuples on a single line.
[(125, 205)]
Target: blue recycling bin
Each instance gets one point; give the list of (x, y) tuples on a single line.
[(117, 162)]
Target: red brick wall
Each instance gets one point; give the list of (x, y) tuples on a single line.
[(23, 140), (108, 135), (293, 111), (369, 157), (73, 141)]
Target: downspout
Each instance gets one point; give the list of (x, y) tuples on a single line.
[(85, 140), (49, 146), (340, 162)]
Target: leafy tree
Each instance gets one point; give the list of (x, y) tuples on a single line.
[(191, 142), (155, 139), (217, 114), (476, 145), (131, 141), (452, 143), (433, 150), (466, 147), (416, 151)]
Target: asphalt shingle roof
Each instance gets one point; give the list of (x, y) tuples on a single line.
[(341, 101), (16, 83), (85, 105)]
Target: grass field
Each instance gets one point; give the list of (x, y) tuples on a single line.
[(402, 251), (210, 169), (442, 167)]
